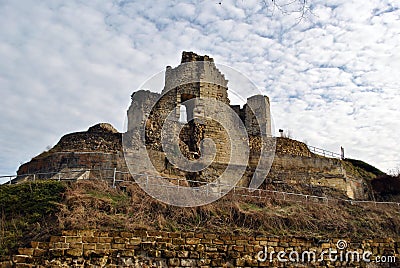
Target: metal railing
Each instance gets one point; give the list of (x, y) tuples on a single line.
[(115, 177), (323, 152)]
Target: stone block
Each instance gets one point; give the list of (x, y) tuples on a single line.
[(43, 245), (6, 264), (126, 235), (174, 262), (55, 239), (21, 258), (89, 239), (23, 265), (147, 245), (210, 249), (26, 251), (210, 236), (127, 253), (100, 233), (164, 239), (217, 241), (249, 249), (241, 242), (187, 235), (199, 235), (168, 253), (69, 233), (76, 245), (120, 240), (188, 263), (230, 242), (105, 239), (174, 235), (91, 246), (118, 246), (135, 241), (238, 248), (222, 247), (178, 241), (55, 253), (194, 255), (217, 263), (225, 237), (192, 241), (60, 245), (86, 233), (132, 247), (103, 246), (73, 239), (74, 252)]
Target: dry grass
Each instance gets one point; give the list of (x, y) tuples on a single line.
[(93, 204)]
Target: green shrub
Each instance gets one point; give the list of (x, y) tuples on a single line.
[(25, 210)]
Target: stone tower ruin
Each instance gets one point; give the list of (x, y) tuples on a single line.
[(186, 88)]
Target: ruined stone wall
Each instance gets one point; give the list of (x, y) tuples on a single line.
[(195, 68), (140, 108), (196, 77), (141, 248), (259, 105), (98, 148), (294, 164), (59, 161)]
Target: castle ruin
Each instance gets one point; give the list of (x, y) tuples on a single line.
[(100, 149), (189, 88)]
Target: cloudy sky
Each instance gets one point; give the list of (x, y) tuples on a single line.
[(333, 77)]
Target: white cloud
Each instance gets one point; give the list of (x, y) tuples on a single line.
[(332, 78)]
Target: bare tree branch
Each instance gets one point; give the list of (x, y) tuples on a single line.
[(288, 7)]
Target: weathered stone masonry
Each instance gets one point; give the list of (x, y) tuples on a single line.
[(141, 248), (196, 77)]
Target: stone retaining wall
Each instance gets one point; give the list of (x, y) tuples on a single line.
[(141, 248)]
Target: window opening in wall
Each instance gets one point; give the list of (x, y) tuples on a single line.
[(183, 114)]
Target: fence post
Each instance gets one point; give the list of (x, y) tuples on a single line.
[(59, 177), (114, 174), (10, 179), (34, 177)]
